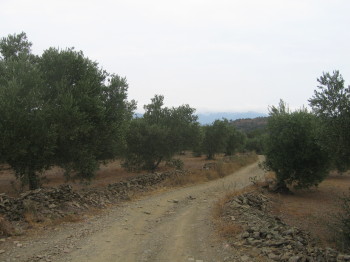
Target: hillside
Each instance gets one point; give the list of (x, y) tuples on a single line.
[(250, 124), (208, 118)]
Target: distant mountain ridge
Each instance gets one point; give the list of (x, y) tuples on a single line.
[(248, 125), (208, 118)]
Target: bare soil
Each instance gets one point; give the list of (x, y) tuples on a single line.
[(314, 210)]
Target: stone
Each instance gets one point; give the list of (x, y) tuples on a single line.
[(256, 235), (51, 206), (245, 258), (273, 256), (286, 256), (245, 234), (294, 259), (2, 251)]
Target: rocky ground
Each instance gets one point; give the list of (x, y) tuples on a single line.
[(266, 236)]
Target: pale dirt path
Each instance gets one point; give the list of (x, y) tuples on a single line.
[(170, 226)]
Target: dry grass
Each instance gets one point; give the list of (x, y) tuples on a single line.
[(112, 172), (226, 227), (313, 210), (70, 218), (6, 229), (228, 230), (223, 166)]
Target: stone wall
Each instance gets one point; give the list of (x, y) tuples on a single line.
[(269, 237), (58, 202)]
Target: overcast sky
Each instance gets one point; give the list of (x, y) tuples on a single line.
[(214, 55)]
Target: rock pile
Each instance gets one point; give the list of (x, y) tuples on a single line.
[(269, 237), (58, 202)]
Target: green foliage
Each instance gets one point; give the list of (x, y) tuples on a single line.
[(197, 148), (331, 103), (221, 137), (235, 142), (15, 46), (96, 113), (256, 141), (161, 133), (59, 108), (292, 149), (216, 137), (27, 131), (147, 145)]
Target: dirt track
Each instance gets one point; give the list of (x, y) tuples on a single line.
[(170, 226)]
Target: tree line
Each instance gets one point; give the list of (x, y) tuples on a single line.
[(62, 109)]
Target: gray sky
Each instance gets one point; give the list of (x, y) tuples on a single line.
[(214, 55)]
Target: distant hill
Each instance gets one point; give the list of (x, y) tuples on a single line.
[(208, 118), (249, 124)]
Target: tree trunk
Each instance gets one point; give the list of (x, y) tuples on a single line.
[(157, 164), (210, 156), (33, 180), (282, 188)]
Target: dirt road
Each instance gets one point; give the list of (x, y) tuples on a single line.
[(170, 226)]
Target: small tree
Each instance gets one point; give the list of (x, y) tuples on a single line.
[(256, 141), (235, 141), (331, 103), (292, 149), (159, 134), (215, 138)]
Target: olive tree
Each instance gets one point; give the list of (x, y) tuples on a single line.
[(160, 134), (59, 108), (215, 138), (331, 103), (91, 103), (292, 149), (28, 134)]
